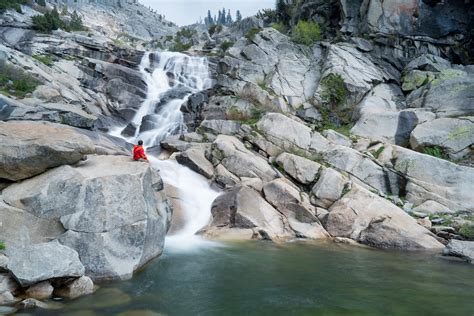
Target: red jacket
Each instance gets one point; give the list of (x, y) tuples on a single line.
[(139, 153)]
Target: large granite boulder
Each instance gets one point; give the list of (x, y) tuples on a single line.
[(194, 158), (381, 116), (244, 208), (454, 135), (30, 148), (295, 207), (233, 155), (329, 188), (430, 178), (303, 170), (372, 220), (449, 95), (461, 249), (290, 134), (113, 209), (36, 263), (365, 169)]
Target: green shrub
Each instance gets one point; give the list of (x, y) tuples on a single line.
[(334, 90), (268, 15), (76, 23), (435, 151), (252, 32), (2, 245), (214, 29), (48, 22), (306, 32), (45, 59), (377, 153), (14, 81), (179, 46), (186, 32), (280, 27), (51, 21), (41, 2), (226, 45), (12, 4), (337, 120), (467, 231)]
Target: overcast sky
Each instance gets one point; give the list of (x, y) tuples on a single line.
[(184, 12)]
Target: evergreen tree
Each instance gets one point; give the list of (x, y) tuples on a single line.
[(209, 20), (76, 22), (222, 19), (228, 19), (282, 8), (238, 16)]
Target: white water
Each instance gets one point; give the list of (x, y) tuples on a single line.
[(162, 73)]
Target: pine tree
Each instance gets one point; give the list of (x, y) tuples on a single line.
[(238, 16), (209, 20), (76, 22), (222, 19), (229, 20)]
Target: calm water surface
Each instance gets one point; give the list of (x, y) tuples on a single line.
[(293, 279)]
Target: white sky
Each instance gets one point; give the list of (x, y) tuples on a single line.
[(184, 12)]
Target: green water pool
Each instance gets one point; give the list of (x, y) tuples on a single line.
[(262, 278)]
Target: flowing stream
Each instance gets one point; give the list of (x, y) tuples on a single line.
[(171, 78)]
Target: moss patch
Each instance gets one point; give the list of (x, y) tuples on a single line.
[(467, 231), (15, 82)]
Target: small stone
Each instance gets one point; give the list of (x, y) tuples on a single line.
[(40, 291), (33, 303), (419, 214), (7, 298), (437, 221), (79, 287), (447, 229), (425, 222), (407, 207)]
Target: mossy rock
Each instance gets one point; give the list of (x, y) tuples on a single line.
[(415, 79)]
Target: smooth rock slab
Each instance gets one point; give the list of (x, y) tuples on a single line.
[(51, 260), (243, 207), (372, 220), (329, 187), (236, 158), (454, 135), (28, 148), (195, 160), (301, 169)]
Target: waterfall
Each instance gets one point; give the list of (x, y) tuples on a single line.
[(171, 78)]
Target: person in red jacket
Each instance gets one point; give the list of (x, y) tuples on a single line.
[(139, 152)]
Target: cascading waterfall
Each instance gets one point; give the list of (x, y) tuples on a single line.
[(171, 78)]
